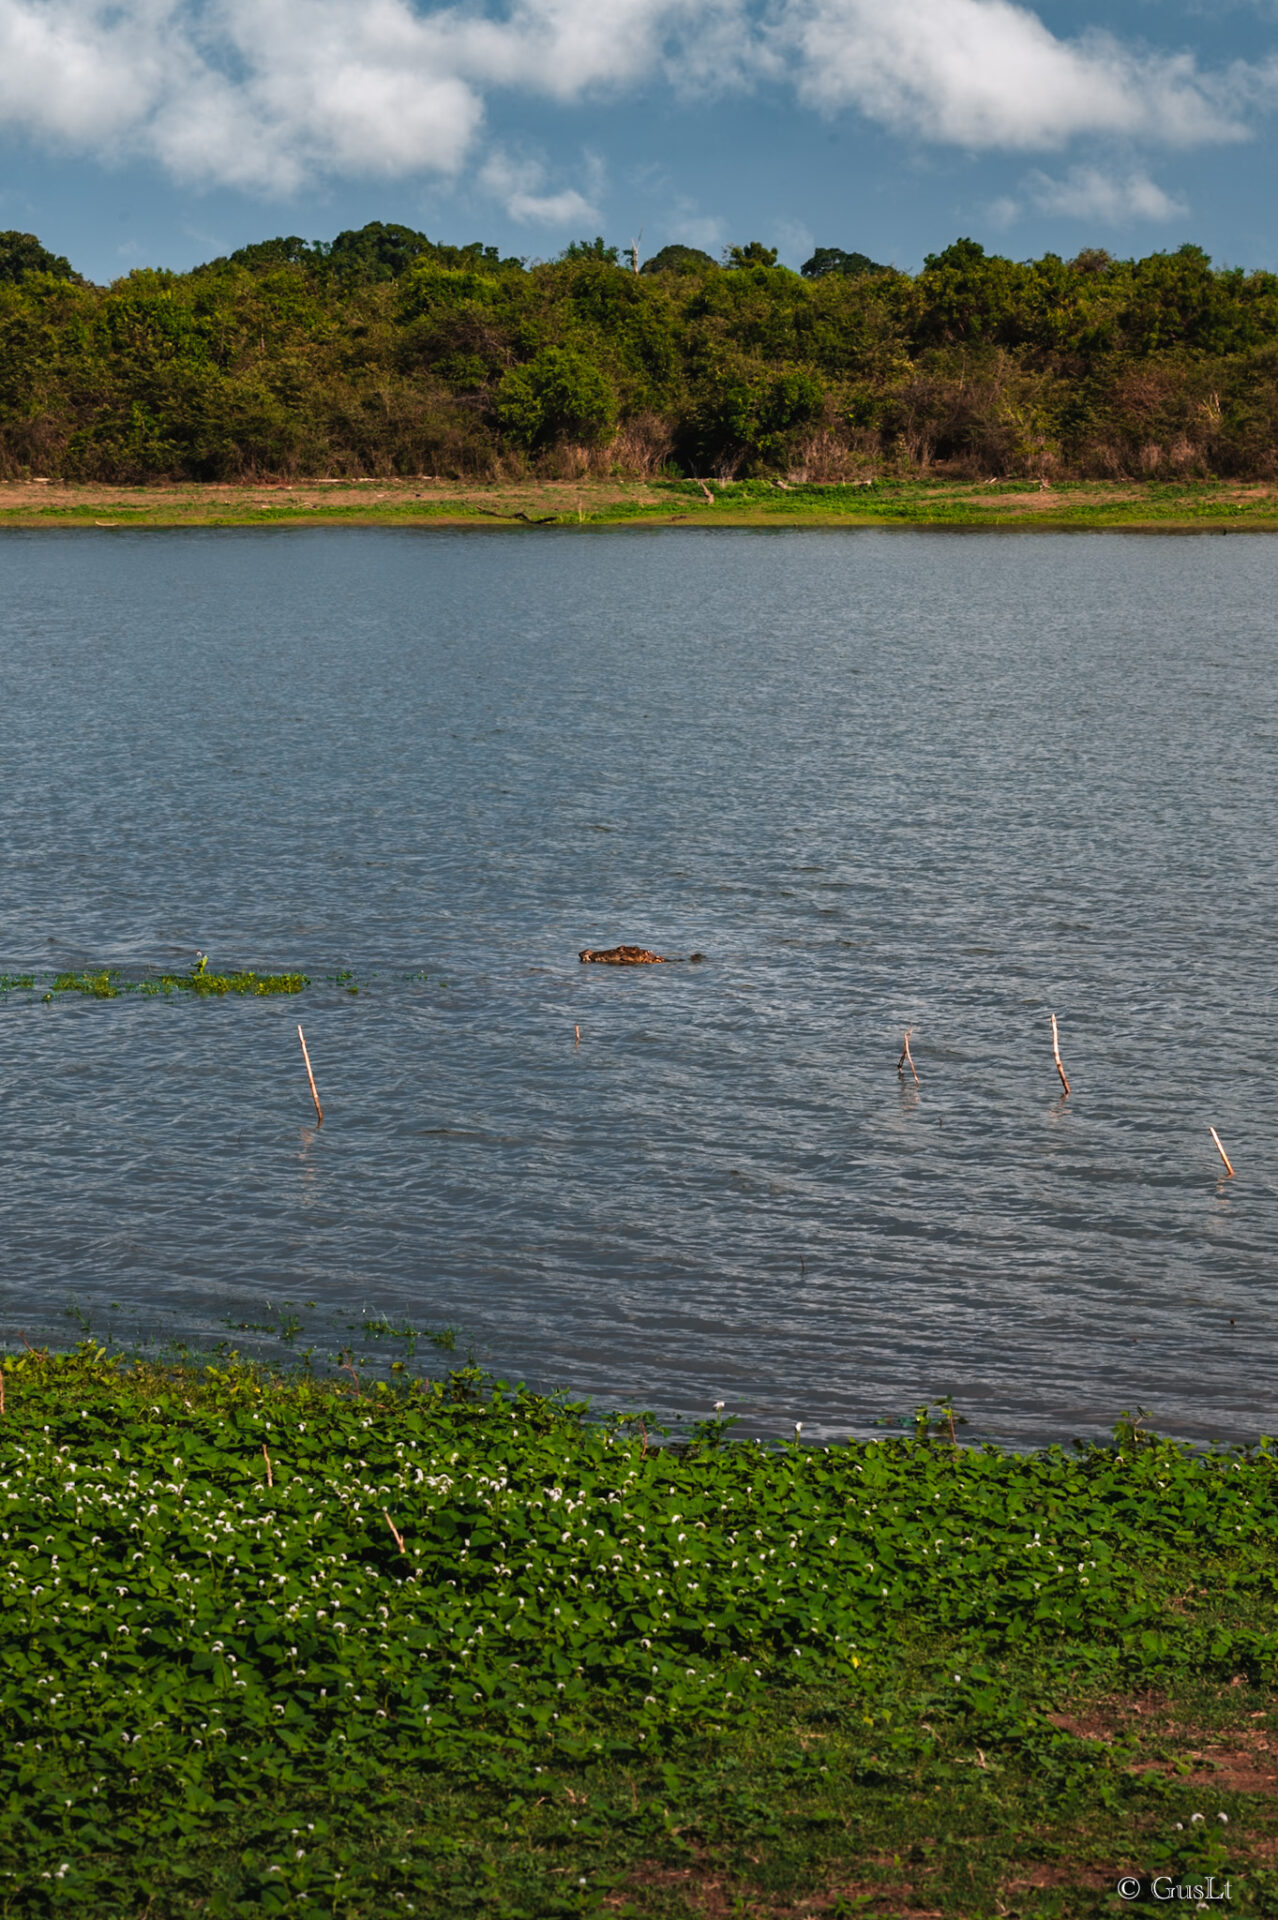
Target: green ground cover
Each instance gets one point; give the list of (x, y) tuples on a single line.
[(354, 1643)]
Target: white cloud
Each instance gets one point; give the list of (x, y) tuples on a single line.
[(794, 241), (1004, 211), (261, 95), (1086, 193), (268, 94), (988, 74), (68, 72), (1089, 194), (686, 226), (520, 184), (562, 48)]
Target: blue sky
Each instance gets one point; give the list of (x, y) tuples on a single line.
[(164, 132)]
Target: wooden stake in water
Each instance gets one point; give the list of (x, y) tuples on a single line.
[(319, 1111), (577, 1041), (1221, 1151), (907, 1058), (1056, 1054)]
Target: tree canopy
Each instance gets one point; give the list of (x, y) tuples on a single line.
[(677, 259), (21, 253), (382, 350), (834, 260)]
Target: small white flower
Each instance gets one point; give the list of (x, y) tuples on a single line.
[(718, 1406)]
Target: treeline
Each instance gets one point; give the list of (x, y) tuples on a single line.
[(382, 352)]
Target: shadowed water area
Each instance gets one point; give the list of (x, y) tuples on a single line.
[(879, 779)]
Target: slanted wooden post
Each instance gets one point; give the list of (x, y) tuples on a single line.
[(1056, 1054), (319, 1111), (1221, 1151)]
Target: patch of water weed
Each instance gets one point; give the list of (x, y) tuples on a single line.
[(329, 1346), (99, 986), (277, 1644), (108, 983), (443, 1338)]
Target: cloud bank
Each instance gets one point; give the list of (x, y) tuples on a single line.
[(987, 74), (1087, 193), (267, 95)]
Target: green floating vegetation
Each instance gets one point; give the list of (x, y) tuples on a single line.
[(286, 1325), (108, 983), (282, 1645)]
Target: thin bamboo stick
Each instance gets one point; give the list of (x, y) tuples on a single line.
[(1220, 1150), (907, 1058), (1056, 1054), (311, 1077), (270, 1477), (399, 1538)]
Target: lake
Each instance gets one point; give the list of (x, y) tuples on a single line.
[(880, 779)]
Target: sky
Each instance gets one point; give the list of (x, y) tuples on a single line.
[(165, 132)]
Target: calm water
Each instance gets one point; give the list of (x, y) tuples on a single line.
[(957, 781)]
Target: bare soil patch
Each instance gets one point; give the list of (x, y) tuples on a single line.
[(1241, 1757)]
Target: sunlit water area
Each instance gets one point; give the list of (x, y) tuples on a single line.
[(953, 782)]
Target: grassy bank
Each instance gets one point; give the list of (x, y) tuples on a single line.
[(355, 1646), (1197, 506)]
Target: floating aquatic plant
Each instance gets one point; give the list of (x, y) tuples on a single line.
[(108, 983)]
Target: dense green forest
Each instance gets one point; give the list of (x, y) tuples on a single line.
[(381, 352)]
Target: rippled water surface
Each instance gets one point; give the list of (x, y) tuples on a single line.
[(956, 782)]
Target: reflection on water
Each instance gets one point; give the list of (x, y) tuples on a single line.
[(951, 783)]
